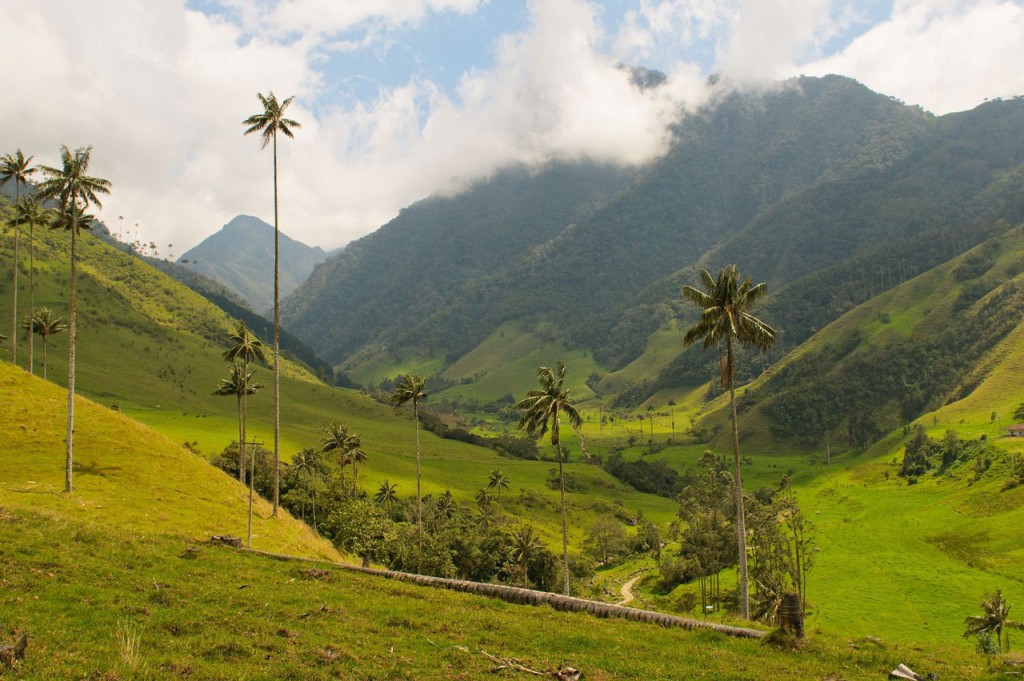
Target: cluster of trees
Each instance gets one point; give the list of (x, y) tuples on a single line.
[(922, 454), (73, 191), (779, 548)]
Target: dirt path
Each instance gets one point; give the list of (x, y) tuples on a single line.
[(627, 589)]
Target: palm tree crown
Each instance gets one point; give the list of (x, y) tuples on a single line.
[(69, 184), (725, 305), (45, 324), (244, 345), (271, 120)]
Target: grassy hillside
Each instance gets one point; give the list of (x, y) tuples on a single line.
[(127, 476)]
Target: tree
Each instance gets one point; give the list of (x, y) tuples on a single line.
[(243, 345), (387, 495), (995, 620), (15, 167), (356, 455), (525, 544), (410, 389), (239, 383), (725, 305), (45, 324), (268, 123), (541, 410), (362, 528), (606, 539), (498, 481), (28, 211), (339, 440), (310, 471), (75, 191)]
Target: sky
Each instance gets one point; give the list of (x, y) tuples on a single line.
[(401, 99)]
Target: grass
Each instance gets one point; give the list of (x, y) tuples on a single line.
[(106, 603)]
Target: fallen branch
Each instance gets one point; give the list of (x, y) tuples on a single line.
[(563, 674), (510, 664)]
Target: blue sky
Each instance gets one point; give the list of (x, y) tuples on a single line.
[(400, 99)]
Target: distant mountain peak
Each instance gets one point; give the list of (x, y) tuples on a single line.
[(241, 256)]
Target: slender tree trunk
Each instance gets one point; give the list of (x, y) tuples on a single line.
[(561, 491), (44, 358), (419, 493), (252, 483), (241, 440), (741, 526), (355, 478), (72, 341), (31, 296), (14, 306), (277, 349)]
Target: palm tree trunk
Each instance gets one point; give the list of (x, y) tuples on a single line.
[(241, 439), (252, 482), (44, 358), (31, 296), (277, 348), (72, 340), (561, 491), (419, 493), (355, 478), (741, 526), (14, 306)]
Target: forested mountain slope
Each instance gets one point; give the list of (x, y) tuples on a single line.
[(828, 191)]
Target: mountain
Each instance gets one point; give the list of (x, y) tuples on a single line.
[(383, 286), (241, 256), (826, 190)]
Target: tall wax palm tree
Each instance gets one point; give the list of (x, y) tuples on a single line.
[(45, 324), (268, 123), (498, 481), (410, 389), (15, 167), (244, 346), (725, 303), (75, 191), (28, 211), (239, 383), (542, 409)]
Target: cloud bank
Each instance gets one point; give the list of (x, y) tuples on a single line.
[(160, 90)]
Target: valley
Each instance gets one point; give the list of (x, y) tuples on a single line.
[(873, 433)]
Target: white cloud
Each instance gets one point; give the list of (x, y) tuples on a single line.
[(160, 92), (946, 55)]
